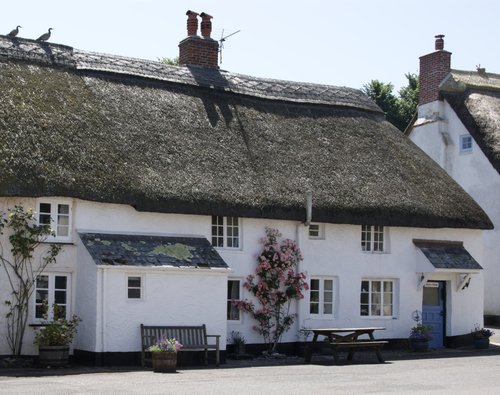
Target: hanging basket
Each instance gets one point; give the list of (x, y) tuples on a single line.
[(164, 362)]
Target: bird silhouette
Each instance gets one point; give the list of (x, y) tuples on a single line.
[(14, 32), (46, 36)]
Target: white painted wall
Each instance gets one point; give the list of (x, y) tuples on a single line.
[(474, 173), (180, 296)]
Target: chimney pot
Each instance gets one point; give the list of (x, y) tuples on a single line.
[(192, 23), (206, 25), (439, 45)]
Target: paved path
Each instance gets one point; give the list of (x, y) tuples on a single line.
[(455, 375)]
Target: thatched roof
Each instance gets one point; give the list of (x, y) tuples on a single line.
[(475, 97), (190, 140)]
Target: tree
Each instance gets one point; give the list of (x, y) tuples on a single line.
[(172, 62), (400, 109), (21, 270), (275, 285)]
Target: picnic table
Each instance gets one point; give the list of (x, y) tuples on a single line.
[(346, 338)]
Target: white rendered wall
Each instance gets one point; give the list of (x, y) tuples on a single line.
[(174, 296), (476, 176)]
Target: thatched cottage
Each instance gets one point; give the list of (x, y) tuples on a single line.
[(160, 180), (458, 125)]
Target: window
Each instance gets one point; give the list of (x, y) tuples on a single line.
[(233, 293), (321, 296), (465, 144), (316, 231), (372, 238), (134, 289), (51, 296), (57, 216), (377, 298), (225, 232)]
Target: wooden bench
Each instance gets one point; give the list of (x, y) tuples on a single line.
[(376, 345), (192, 338)]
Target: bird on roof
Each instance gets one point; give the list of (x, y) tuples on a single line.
[(46, 36), (14, 32)]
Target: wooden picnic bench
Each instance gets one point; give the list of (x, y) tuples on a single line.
[(346, 339), (192, 338)]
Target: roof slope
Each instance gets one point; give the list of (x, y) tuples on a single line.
[(188, 140), (475, 98)]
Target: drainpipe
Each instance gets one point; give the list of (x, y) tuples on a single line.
[(298, 232)]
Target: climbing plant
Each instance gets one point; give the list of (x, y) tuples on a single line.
[(21, 268), (275, 285)]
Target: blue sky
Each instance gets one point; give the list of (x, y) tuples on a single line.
[(344, 43)]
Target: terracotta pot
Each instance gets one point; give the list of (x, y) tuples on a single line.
[(53, 355), (164, 362)]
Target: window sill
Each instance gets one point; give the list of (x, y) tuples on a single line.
[(58, 242)]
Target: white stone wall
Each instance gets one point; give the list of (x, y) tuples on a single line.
[(475, 174), (180, 296)]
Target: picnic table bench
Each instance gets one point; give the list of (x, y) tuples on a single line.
[(347, 339), (192, 338)]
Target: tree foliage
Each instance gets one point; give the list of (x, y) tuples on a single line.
[(399, 109), (275, 285), (172, 62), (25, 236)]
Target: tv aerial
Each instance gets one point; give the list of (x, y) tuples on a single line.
[(221, 42)]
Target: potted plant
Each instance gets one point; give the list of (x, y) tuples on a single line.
[(419, 337), (54, 338), (481, 337), (238, 341), (164, 355)]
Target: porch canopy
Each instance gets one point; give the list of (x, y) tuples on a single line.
[(144, 250), (446, 256)]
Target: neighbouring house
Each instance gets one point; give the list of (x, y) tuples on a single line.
[(160, 180), (458, 125)]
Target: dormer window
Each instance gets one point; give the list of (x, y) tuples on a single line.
[(465, 144), (58, 217)]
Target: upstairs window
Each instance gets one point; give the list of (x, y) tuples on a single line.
[(465, 144), (372, 238), (316, 231), (58, 217), (225, 232)]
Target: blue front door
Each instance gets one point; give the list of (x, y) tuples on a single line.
[(433, 311)]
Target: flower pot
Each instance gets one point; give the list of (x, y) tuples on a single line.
[(419, 345), (53, 356), (164, 362), (482, 343)]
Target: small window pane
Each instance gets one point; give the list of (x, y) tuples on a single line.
[(60, 297), (134, 293), (61, 282), (41, 295), (42, 282), (63, 209), (134, 281), (45, 208), (328, 309), (328, 285)]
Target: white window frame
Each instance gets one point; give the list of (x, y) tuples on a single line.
[(140, 287), (468, 149), (232, 297), (377, 298), (223, 229), (374, 239), (56, 218), (316, 231), (322, 301), (51, 296)]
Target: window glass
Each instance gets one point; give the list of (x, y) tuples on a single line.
[(372, 238), (134, 287), (225, 232), (465, 143), (376, 298), (321, 296), (51, 296), (233, 293), (57, 216)]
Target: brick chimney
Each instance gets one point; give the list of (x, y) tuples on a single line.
[(434, 67), (195, 50)]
